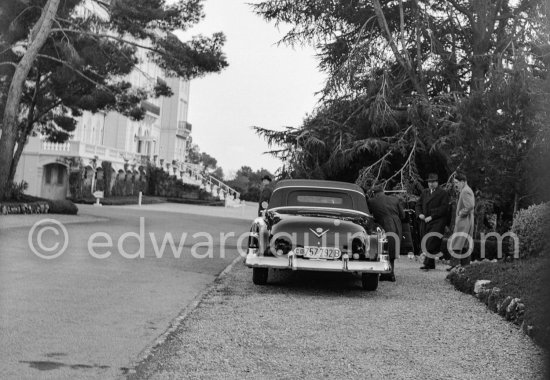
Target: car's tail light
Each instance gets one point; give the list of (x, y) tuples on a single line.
[(253, 240)]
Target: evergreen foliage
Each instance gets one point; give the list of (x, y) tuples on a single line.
[(417, 87)]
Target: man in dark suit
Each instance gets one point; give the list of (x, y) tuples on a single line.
[(388, 212), (433, 211)]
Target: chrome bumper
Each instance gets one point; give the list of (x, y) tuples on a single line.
[(295, 263)]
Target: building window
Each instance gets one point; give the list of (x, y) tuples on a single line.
[(102, 133), (60, 175), (48, 174), (84, 130), (92, 134)]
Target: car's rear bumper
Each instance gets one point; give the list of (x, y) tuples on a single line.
[(295, 263)]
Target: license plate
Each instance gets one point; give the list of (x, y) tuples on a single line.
[(318, 252)]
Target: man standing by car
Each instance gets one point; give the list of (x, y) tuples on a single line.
[(265, 193), (388, 212), (464, 222), (433, 211)]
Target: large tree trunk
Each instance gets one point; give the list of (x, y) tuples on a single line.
[(16, 157), (40, 33), (25, 130)]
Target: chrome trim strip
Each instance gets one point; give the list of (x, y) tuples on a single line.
[(320, 208), (294, 263), (319, 234)]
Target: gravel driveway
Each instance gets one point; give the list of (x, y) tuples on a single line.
[(322, 325)]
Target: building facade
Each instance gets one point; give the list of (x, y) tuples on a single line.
[(160, 139), (110, 141)]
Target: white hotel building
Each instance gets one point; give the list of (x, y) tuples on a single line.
[(161, 138)]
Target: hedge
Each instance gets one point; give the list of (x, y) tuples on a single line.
[(29, 204), (517, 291)]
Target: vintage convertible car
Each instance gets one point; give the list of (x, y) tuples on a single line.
[(319, 226)]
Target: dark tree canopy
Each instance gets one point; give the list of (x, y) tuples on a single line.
[(419, 86)]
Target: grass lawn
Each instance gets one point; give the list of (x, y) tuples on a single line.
[(145, 200), (527, 279), (123, 200)]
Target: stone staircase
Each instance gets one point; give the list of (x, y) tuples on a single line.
[(195, 175)]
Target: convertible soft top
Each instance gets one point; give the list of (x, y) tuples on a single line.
[(283, 190)]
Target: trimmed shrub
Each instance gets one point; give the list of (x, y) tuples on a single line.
[(29, 204), (38, 207), (530, 225), (192, 201), (107, 174), (62, 206)]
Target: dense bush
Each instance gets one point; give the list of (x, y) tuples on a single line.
[(108, 174), (483, 249), (252, 194), (62, 206), (14, 191), (162, 184), (530, 225)]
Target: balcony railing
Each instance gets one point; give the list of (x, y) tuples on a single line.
[(184, 128), (81, 149)]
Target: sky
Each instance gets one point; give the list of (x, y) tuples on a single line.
[(266, 85)]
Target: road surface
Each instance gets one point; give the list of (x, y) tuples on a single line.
[(84, 315)]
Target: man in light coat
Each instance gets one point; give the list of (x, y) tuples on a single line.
[(464, 224)]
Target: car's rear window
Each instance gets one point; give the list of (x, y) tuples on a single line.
[(319, 198)]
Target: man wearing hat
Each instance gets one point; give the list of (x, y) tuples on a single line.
[(265, 192), (433, 211), (389, 213)]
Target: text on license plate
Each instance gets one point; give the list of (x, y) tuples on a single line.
[(318, 252)]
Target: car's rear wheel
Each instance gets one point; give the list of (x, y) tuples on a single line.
[(259, 276), (370, 281)]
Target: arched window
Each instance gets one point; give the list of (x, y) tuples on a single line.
[(85, 129), (92, 134), (147, 143), (97, 133), (138, 144), (102, 133)]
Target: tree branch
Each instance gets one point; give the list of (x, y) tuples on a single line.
[(8, 64), (102, 35), (465, 11), (407, 162), (403, 62)]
